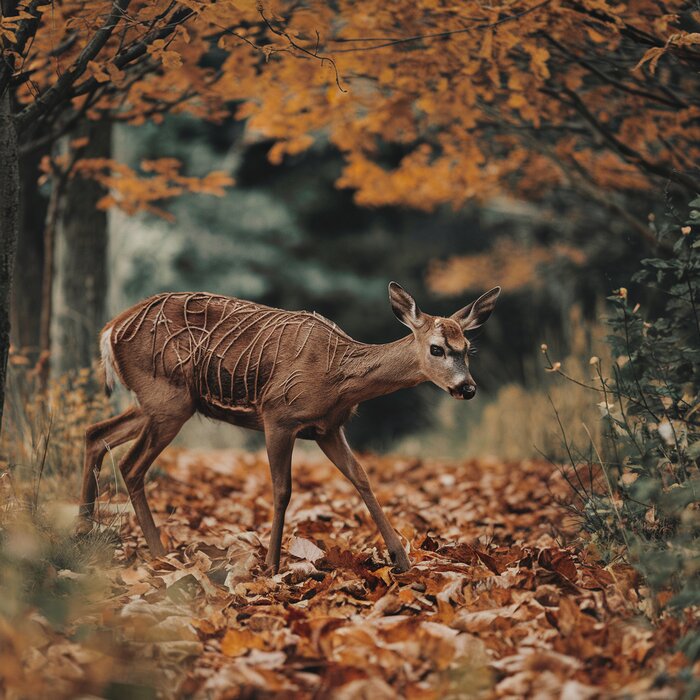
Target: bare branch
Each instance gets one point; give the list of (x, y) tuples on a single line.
[(304, 51)]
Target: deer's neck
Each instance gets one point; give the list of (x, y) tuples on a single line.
[(377, 370)]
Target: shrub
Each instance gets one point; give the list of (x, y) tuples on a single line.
[(43, 433), (642, 502), (60, 634)]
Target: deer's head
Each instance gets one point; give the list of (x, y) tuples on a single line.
[(440, 342)]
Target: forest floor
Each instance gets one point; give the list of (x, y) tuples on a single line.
[(503, 599)]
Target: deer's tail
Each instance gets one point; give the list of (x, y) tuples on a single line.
[(108, 364)]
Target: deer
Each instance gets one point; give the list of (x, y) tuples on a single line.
[(290, 374)]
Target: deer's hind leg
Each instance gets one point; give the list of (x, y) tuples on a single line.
[(98, 439), (155, 435)]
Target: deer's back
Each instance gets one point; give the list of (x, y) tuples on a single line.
[(229, 355)]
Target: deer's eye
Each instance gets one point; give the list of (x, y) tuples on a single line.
[(437, 351)]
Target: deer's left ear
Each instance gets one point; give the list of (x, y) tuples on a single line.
[(404, 306), (476, 314)]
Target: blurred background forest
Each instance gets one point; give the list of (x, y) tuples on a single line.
[(287, 236), (539, 159)]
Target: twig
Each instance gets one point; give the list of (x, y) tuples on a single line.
[(438, 35), (42, 464), (634, 373), (61, 90), (566, 444), (313, 54), (610, 489)]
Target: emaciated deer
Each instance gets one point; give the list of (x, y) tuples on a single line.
[(289, 374)]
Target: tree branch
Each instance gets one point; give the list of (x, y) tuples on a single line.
[(579, 179), (439, 35), (50, 134), (635, 33), (627, 152), (26, 31), (301, 49), (674, 102), (139, 49), (61, 90)]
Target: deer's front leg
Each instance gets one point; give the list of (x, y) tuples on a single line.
[(336, 448), (279, 445)]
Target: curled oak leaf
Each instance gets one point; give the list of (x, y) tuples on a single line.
[(488, 561), (301, 571), (461, 552), (429, 544), (569, 616), (563, 564), (595, 578), (558, 561), (205, 627)]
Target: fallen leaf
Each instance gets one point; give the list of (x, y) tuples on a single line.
[(304, 549)]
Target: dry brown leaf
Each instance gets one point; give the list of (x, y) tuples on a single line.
[(341, 623)]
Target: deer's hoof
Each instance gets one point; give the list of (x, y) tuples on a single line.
[(271, 570), (83, 527), (400, 560), (156, 549), (157, 552)]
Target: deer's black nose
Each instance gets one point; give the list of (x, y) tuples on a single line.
[(468, 390)]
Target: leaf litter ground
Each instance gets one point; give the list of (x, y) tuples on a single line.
[(503, 599)]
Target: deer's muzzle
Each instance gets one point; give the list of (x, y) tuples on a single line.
[(467, 390)]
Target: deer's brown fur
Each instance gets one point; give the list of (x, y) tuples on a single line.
[(289, 374)]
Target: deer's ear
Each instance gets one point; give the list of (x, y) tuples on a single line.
[(476, 314), (404, 306)]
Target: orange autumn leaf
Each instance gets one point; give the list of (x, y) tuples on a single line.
[(513, 101), (238, 642)]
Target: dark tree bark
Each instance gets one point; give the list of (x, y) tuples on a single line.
[(80, 286), (9, 222), (29, 263)]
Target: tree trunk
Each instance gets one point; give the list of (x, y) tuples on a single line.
[(58, 182), (29, 263), (80, 286), (9, 222)]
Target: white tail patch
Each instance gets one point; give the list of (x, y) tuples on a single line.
[(111, 372)]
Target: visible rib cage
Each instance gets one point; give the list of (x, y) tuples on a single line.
[(232, 353)]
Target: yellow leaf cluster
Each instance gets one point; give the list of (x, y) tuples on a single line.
[(133, 192), (513, 264), (474, 100)]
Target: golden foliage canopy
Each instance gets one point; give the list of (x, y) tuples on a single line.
[(430, 102), (513, 264)]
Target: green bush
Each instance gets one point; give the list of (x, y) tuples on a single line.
[(652, 405), (641, 499)]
